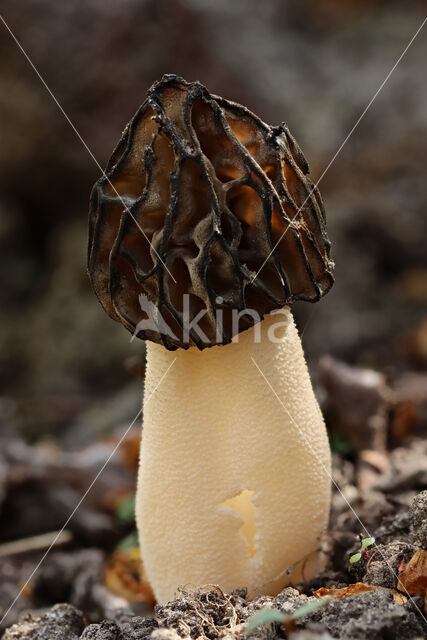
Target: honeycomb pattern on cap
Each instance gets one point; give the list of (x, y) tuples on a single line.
[(194, 200)]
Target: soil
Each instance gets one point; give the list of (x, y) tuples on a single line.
[(391, 505)]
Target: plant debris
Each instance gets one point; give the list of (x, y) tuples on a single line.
[(413, 578), (124, 575), (356, 589), (209, 613), (100, 574)]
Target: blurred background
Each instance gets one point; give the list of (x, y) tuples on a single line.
[(314, 65), (69, 375)]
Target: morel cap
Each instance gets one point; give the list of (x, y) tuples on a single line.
[(204, 209)]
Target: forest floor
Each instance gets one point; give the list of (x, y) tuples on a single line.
[(93, 569)]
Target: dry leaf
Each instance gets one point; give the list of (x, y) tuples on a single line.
[(129, 450), (413, 578), (399, 598), (124, 575), (356, 589), (352, 590), (401, 566)]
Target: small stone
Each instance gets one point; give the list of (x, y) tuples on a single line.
[(107, 630), (371, 616), (60, 622), (138, 628), (164, 634), (418, 515), (315, 633), (383, 569)]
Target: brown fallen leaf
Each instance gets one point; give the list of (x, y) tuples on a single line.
[(399, 598), (401, 566), (356, 589), (129, 450), (413, 578), (124, 575)]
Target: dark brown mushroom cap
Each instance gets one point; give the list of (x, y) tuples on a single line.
[(194, 200)]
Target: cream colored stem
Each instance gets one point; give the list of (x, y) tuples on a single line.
[(214, 430)]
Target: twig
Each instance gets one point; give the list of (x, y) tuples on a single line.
[(36, 543)]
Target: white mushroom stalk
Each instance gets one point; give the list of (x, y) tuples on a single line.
[(234, 482), (202, 232)]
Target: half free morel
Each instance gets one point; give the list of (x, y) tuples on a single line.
[(203, 230)]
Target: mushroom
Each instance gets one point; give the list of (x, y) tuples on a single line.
[(203, 230)]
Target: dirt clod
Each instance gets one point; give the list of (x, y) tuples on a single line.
[(61, 621), (382, 566), (212, 614), (107, 630), (418, 515), (371, 616)]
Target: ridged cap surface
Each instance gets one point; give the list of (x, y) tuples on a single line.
[(194, 200)]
